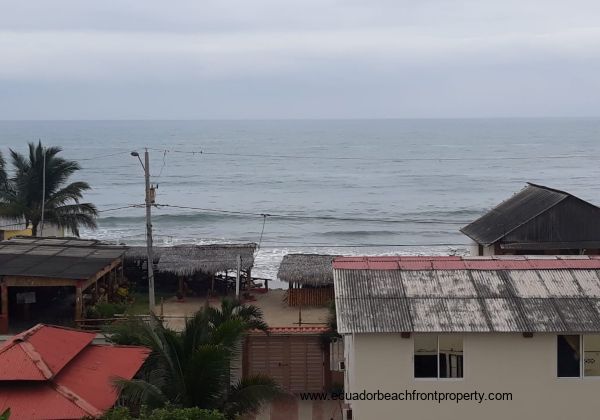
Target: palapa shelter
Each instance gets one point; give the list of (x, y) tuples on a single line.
[(189, 260), (30, 266), (512, 327), (537, 220), (310, 278), (52, 372)]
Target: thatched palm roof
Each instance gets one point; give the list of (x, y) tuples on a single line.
[(190, 259), (313, 269)]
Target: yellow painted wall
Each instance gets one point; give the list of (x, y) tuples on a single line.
[(12, 233)]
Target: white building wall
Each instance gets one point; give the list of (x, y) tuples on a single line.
[(487, 250), (496, 362)]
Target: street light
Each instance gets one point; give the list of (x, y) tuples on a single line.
[(149, 200)]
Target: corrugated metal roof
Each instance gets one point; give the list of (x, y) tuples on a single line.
[(56, 257), (46, 349), (91, 373), (499, 262), (505, 315), (63, 372), (512, 213), (468, 300), (19, 398)]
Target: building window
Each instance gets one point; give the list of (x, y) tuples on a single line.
[(591, 355), (568, 356), (438, 356), (570, 363)]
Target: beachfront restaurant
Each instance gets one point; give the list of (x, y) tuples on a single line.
[(310, 278), (195, 269), (50, 280)]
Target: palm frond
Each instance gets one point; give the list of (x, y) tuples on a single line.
[(249, 394), (137, 392)]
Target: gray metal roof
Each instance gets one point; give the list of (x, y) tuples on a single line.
[(525, 205), (65, 258), (397, 300)]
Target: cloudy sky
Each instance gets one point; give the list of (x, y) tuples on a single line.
[(203, 59)]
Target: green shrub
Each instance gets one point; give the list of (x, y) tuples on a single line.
[(105, 310), (169, 413)]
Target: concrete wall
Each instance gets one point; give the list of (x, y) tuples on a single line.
[(526, 367)]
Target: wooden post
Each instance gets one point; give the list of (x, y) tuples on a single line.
[(4, 313), (181, 286), (78, 302), (212, 285), (237, 277)]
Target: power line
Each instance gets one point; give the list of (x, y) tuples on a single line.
[(309, 217), (164, 163), (262, 232), (102, 156), (362, 158), (121, 208)]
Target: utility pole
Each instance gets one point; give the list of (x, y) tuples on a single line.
[(237, 277), (149, 203)]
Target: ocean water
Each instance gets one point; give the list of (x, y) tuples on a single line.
[(344, 186)]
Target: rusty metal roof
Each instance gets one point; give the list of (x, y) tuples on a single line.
[(65, 258), (521, 208), (449, 294), (63, 372)]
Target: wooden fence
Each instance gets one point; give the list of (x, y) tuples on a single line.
[(310, 297)]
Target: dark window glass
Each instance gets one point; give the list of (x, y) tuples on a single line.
[(426, 361), (568, 356)]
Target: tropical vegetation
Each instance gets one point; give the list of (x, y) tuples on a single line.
[(167, 413), (40, 183), (194, 367)]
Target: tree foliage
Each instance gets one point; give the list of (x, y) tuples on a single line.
[(167, 413), (21, 194), (192, 367)]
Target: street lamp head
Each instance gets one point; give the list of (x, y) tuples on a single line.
[(135, 154)]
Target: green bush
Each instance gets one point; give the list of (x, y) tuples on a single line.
[(195, 413), (105, 310)]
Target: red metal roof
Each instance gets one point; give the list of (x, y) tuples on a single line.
[(298, 330), (39, 401), (467, 263), (95, 367), (46, 348), (63, 373)]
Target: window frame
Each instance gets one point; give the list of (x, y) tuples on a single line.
[(437, 339), (581, 359)]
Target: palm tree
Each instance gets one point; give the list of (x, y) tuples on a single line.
[(21, 195), (191, 368)]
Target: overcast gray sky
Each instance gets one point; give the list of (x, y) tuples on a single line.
[(203, 59)]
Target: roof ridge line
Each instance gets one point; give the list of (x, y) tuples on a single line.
[(19, 338), (529, 184), (77, 400), (36, 358)]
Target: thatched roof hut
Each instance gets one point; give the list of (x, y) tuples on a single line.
[(310, 269), (190, 259)]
